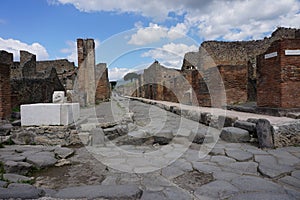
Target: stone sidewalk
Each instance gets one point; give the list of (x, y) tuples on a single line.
[(218, 111)]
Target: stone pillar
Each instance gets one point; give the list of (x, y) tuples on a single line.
[(86, 72), (6, 61), (102, 83), (28, 64)]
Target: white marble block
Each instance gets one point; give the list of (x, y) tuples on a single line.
[(58, 97), (46, 114)]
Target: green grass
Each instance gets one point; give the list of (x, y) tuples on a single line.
[(30, 182), (16, 109)]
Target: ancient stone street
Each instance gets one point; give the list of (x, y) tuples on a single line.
[(138, 162)]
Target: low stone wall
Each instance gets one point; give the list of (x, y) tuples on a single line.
[(283, 134), (45, 135)]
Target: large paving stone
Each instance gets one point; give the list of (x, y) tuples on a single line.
[(239, 155), (153, 195), (217, 151), (256, 184), (12, 157), (183, 165), (176, 193), (221, 160), (101, 191), (42, 159), (268, 166), (21, 191), (261, 195), (274, 171), (265, 159), (233, 134), (284, 157), (216, 190), (225, 176), (291, 181), (17, 167), (242, 168), (15, 178), (206, 167), (171, 172), (296, 174), (63, 152)]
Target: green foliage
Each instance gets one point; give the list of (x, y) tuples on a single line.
[(30, 182), (2, 170), (16, 109), (9, 142), (130, 76)]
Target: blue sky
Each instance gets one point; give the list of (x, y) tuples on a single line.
[(130, 34)]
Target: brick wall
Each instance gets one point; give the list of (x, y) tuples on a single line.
[(102, 82), (278, 84), (6, 62), (66, 70)]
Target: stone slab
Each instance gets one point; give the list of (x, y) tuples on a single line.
[(101, 191), (46, 114)]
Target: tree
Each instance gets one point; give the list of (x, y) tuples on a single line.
[(130, 76)]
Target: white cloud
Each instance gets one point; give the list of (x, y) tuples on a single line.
[(14, 46), (239, 20), (71, 50), (148, 35), (178, 31), (116, 73), (230, 20), (154, 33), (170, 55), (156, 9)]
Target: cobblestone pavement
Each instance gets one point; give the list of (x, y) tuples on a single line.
[(131, 167), (184, 170)]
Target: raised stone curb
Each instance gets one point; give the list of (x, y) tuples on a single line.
[(235, 135), (251, 127)]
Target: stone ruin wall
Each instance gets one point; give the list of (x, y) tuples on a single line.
[(30, 85), (30, 81), (241, 56), (6, 62), (234, 62), (66, 71), (158, 82), (278, 83)]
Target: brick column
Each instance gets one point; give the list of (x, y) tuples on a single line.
[(6, 61), (86, 73)]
